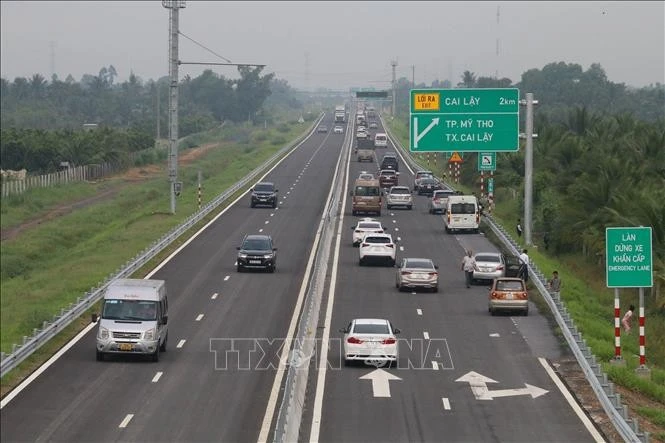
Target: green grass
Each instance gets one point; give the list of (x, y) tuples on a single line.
[(49, 266)]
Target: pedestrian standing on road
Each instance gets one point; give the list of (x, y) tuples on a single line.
[(468, 265), (519, 227), (524, 263), (625, 321), (554, 284)]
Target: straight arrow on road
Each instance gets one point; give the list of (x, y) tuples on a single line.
[(380, 382), (478, 384)]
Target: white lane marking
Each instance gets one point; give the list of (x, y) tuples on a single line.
[(199, 317), (571, 401), (227, 278), (157, 376), (10, 396), (181, 343), (214, 296), (435, 365), (288, 192), (396, 229), (419, 311), (495, 334), (426, 335), (323, 367), (274, 393), (446, 403), (267, 221), (399, 238), (126, 420), (401, 248), (394, 221), (272, 215), (261, 230)]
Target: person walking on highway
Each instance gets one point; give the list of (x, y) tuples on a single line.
[(625, 321), (518, 228), (524, 263), (468, 265)]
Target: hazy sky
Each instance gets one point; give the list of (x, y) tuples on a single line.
[(337, 44)]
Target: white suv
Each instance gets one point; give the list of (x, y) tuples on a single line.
[(364, 227), (399, 196), (379, 247)]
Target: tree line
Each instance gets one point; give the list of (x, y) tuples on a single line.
[(42, 121)]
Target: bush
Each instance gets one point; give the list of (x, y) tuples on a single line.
[(279, 140)]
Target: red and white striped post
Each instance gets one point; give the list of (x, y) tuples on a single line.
[(482, 183), (450, 171), (199, 190), (457, 168), (617, 326), (643, 343)]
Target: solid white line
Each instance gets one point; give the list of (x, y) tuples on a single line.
[(181, 343), (87, 329), (126, 421), (571, 401), (325, 336), (446, 403), (214, 296), (426, 335), (199, 317), (435, 365), (10, 396), (277, 384), (157, 376), (227, 277), (419, 311)]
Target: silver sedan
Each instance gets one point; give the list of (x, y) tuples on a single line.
[(417, 273), (489, 265)]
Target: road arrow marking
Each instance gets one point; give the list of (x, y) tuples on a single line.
[(416, 136), (478, 384), (380, 382)]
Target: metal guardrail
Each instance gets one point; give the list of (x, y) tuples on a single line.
[(289, 418), (82, 304), (605, 391)]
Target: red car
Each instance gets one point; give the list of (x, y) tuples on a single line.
[(388, 178)]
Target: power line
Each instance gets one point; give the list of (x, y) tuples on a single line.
[(204, 47)]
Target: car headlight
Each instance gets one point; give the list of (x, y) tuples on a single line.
[(103, 333), (242, 255), (267, 256), (149, 334)]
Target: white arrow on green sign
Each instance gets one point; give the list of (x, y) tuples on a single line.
[(628, 257), (487, 161)]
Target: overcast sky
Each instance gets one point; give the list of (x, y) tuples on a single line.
[(337, 44)]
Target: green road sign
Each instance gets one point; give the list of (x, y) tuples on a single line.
[(486, 161), (467, 120), (628, 257), (371, 94), (490, 186)]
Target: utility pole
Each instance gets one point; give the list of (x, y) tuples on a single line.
[(174, 9), (159, 131), (413, 76), (393, 63), (528, 166)]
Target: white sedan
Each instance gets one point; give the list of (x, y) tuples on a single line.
[(338, 130), (366, 226), (371, 340), (379, 247)]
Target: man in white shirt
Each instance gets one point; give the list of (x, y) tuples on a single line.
[(468, 265), (524, 261)]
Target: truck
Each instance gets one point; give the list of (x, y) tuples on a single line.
[(134, 318), (340, 114)]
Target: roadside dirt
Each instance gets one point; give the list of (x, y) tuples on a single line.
[(132, 175)]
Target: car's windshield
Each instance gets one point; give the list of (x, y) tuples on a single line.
[(400, 191), (369, 226), (377, 240), (415, 263), (256, 244), (463, 208), (367, 191), (504, 285), (364, 328), (262, 187), (488, 258), (142, 310)]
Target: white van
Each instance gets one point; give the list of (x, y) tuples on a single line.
[(462, 213), (380, 140), (134, 318)]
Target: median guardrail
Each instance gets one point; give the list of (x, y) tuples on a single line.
[(67, 315), (604, 389)]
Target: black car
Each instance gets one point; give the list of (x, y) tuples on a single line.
[(427, 186), (257, 252), (265, 194), (389, 162)]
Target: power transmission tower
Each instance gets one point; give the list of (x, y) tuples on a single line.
[(393, 63), (174, 7)]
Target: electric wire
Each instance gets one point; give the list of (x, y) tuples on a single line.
[(204, 47)]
